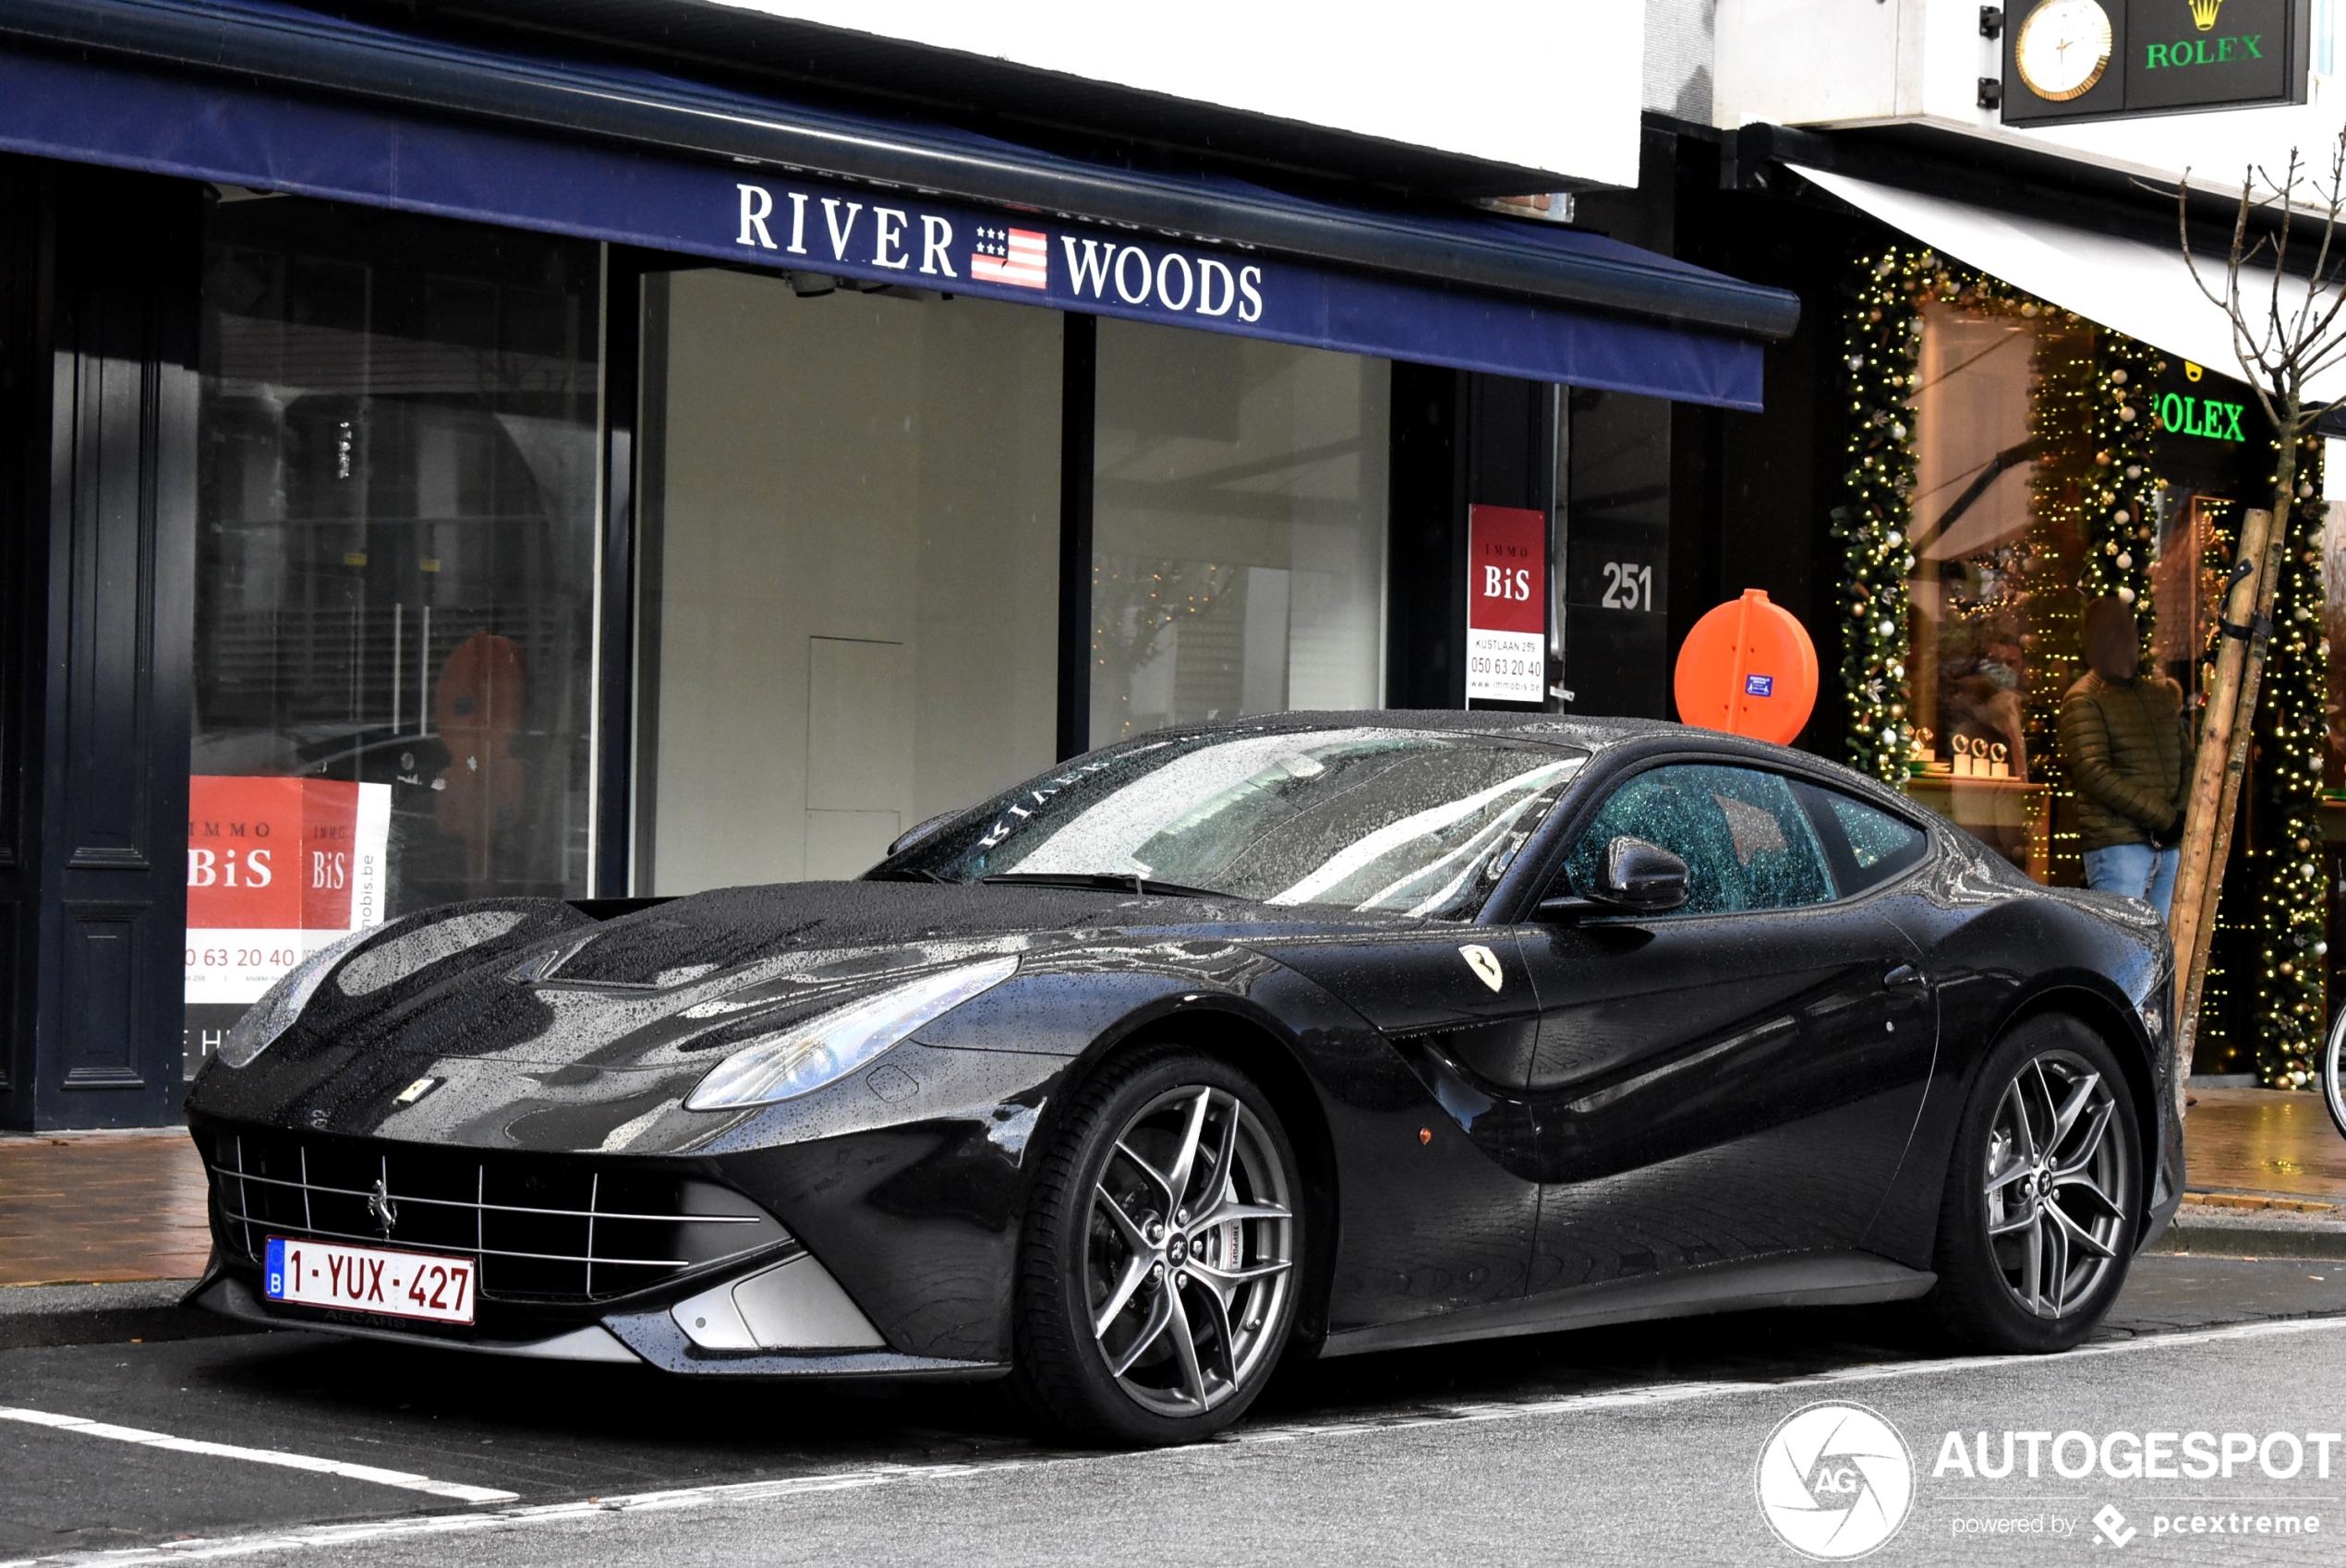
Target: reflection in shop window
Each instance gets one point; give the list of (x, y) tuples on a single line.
[(848, 610), (395, 579), (2004, 457), (1239, 529)]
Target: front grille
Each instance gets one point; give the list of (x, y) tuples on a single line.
[(546, 1230)]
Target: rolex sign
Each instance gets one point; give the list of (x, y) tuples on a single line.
[(2069, 60)]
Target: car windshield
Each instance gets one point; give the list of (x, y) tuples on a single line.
[(1364, 818)]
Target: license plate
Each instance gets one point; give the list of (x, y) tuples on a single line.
[(369, 1279)]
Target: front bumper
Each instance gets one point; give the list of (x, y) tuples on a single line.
[(914, 1222), (662, 1338)]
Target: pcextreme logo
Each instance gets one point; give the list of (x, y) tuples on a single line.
[(1835, 1481)]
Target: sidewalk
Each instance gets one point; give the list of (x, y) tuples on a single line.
[(107, 1208), (84, 1207)]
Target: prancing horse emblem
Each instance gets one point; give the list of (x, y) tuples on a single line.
[(1485, 964), (378, 1204)]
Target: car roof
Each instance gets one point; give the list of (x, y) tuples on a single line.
[(1595, 735)]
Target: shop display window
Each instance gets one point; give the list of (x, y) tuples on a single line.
[(848, 600), (2005, 470), (1239, 529), (394, 579)]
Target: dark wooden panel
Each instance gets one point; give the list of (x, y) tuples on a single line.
[(109, 711), (103, 1043)]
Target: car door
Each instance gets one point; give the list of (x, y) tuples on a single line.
[(1731, 1081)]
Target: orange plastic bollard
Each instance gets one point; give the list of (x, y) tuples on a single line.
[(1748, 668)]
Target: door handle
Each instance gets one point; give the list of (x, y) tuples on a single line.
[(1904, 974)]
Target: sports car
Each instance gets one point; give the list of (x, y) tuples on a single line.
[(1286, 1037)]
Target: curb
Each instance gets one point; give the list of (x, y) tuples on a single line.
[(34, 1315), (2252, 1235)]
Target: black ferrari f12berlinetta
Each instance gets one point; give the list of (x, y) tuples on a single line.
[(1298, 1036)]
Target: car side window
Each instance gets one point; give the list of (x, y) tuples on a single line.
[(1746, 843), (1880, 846)]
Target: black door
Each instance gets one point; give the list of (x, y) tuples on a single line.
[(1735, 1080), (97, 376)]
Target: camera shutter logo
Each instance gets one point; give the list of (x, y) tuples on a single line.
[(1835, 1481)]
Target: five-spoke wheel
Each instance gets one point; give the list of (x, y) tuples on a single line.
[(2040, 1217), (1190, 1251), (1159, 1272), (2054, 1189)]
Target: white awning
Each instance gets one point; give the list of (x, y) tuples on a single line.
[(2144, 291)]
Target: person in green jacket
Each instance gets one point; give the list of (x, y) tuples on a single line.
[(2125, 745)]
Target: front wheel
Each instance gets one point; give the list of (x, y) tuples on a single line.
[(2040, 1217), (1157, 1274)]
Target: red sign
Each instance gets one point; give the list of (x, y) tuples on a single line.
[(1507, 566), (270, 853), (277, 867), (1507, 603)]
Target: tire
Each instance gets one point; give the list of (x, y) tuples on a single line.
[(2333, 1079), (1151, 1310), (2038, 1223)]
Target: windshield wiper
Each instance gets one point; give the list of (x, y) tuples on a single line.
[(1108, 881), (907, 873)]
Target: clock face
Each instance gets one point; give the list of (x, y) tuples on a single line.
[(2063, 48)]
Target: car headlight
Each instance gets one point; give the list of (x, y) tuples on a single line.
[(807, 1055), (282, 1003)]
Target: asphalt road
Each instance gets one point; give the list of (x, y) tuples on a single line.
[(1628, 1446)]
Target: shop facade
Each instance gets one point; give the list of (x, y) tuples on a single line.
[(443, 470), (2004, 399)]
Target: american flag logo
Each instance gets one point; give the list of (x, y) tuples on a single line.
[(1021, 257)]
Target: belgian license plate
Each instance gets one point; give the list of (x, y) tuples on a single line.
[(369, 1279)]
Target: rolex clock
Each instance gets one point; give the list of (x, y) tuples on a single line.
[(2062, 49)]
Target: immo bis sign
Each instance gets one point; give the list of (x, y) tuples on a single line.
[(1506, 604), (2068, 60)]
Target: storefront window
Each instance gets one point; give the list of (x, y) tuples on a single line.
[(1239, 529), (2004, 443), (848, 607), (395, 579)]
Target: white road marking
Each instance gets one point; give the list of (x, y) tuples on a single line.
[(400, 1479), (430, 1524)]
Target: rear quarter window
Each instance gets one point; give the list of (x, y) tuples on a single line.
[(1876, 846)]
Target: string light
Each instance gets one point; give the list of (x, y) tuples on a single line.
[(2291, 735), (1881, 346)]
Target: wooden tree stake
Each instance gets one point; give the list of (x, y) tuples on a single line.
[(2216, 771)]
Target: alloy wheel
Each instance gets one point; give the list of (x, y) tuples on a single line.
[(1190, 1251), (2055, 1183)]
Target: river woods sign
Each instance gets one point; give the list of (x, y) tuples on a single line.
[(2069, 60)]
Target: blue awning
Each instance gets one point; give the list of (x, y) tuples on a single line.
[(272, 98)]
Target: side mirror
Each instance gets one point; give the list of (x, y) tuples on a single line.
[(921, 830), (1635, 877)]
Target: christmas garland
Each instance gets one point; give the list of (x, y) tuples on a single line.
[(2291, 737), (1882, 339), (2121, 529)]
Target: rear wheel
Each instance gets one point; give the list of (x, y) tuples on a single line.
[(2038, 1224), (1157, 1273)]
